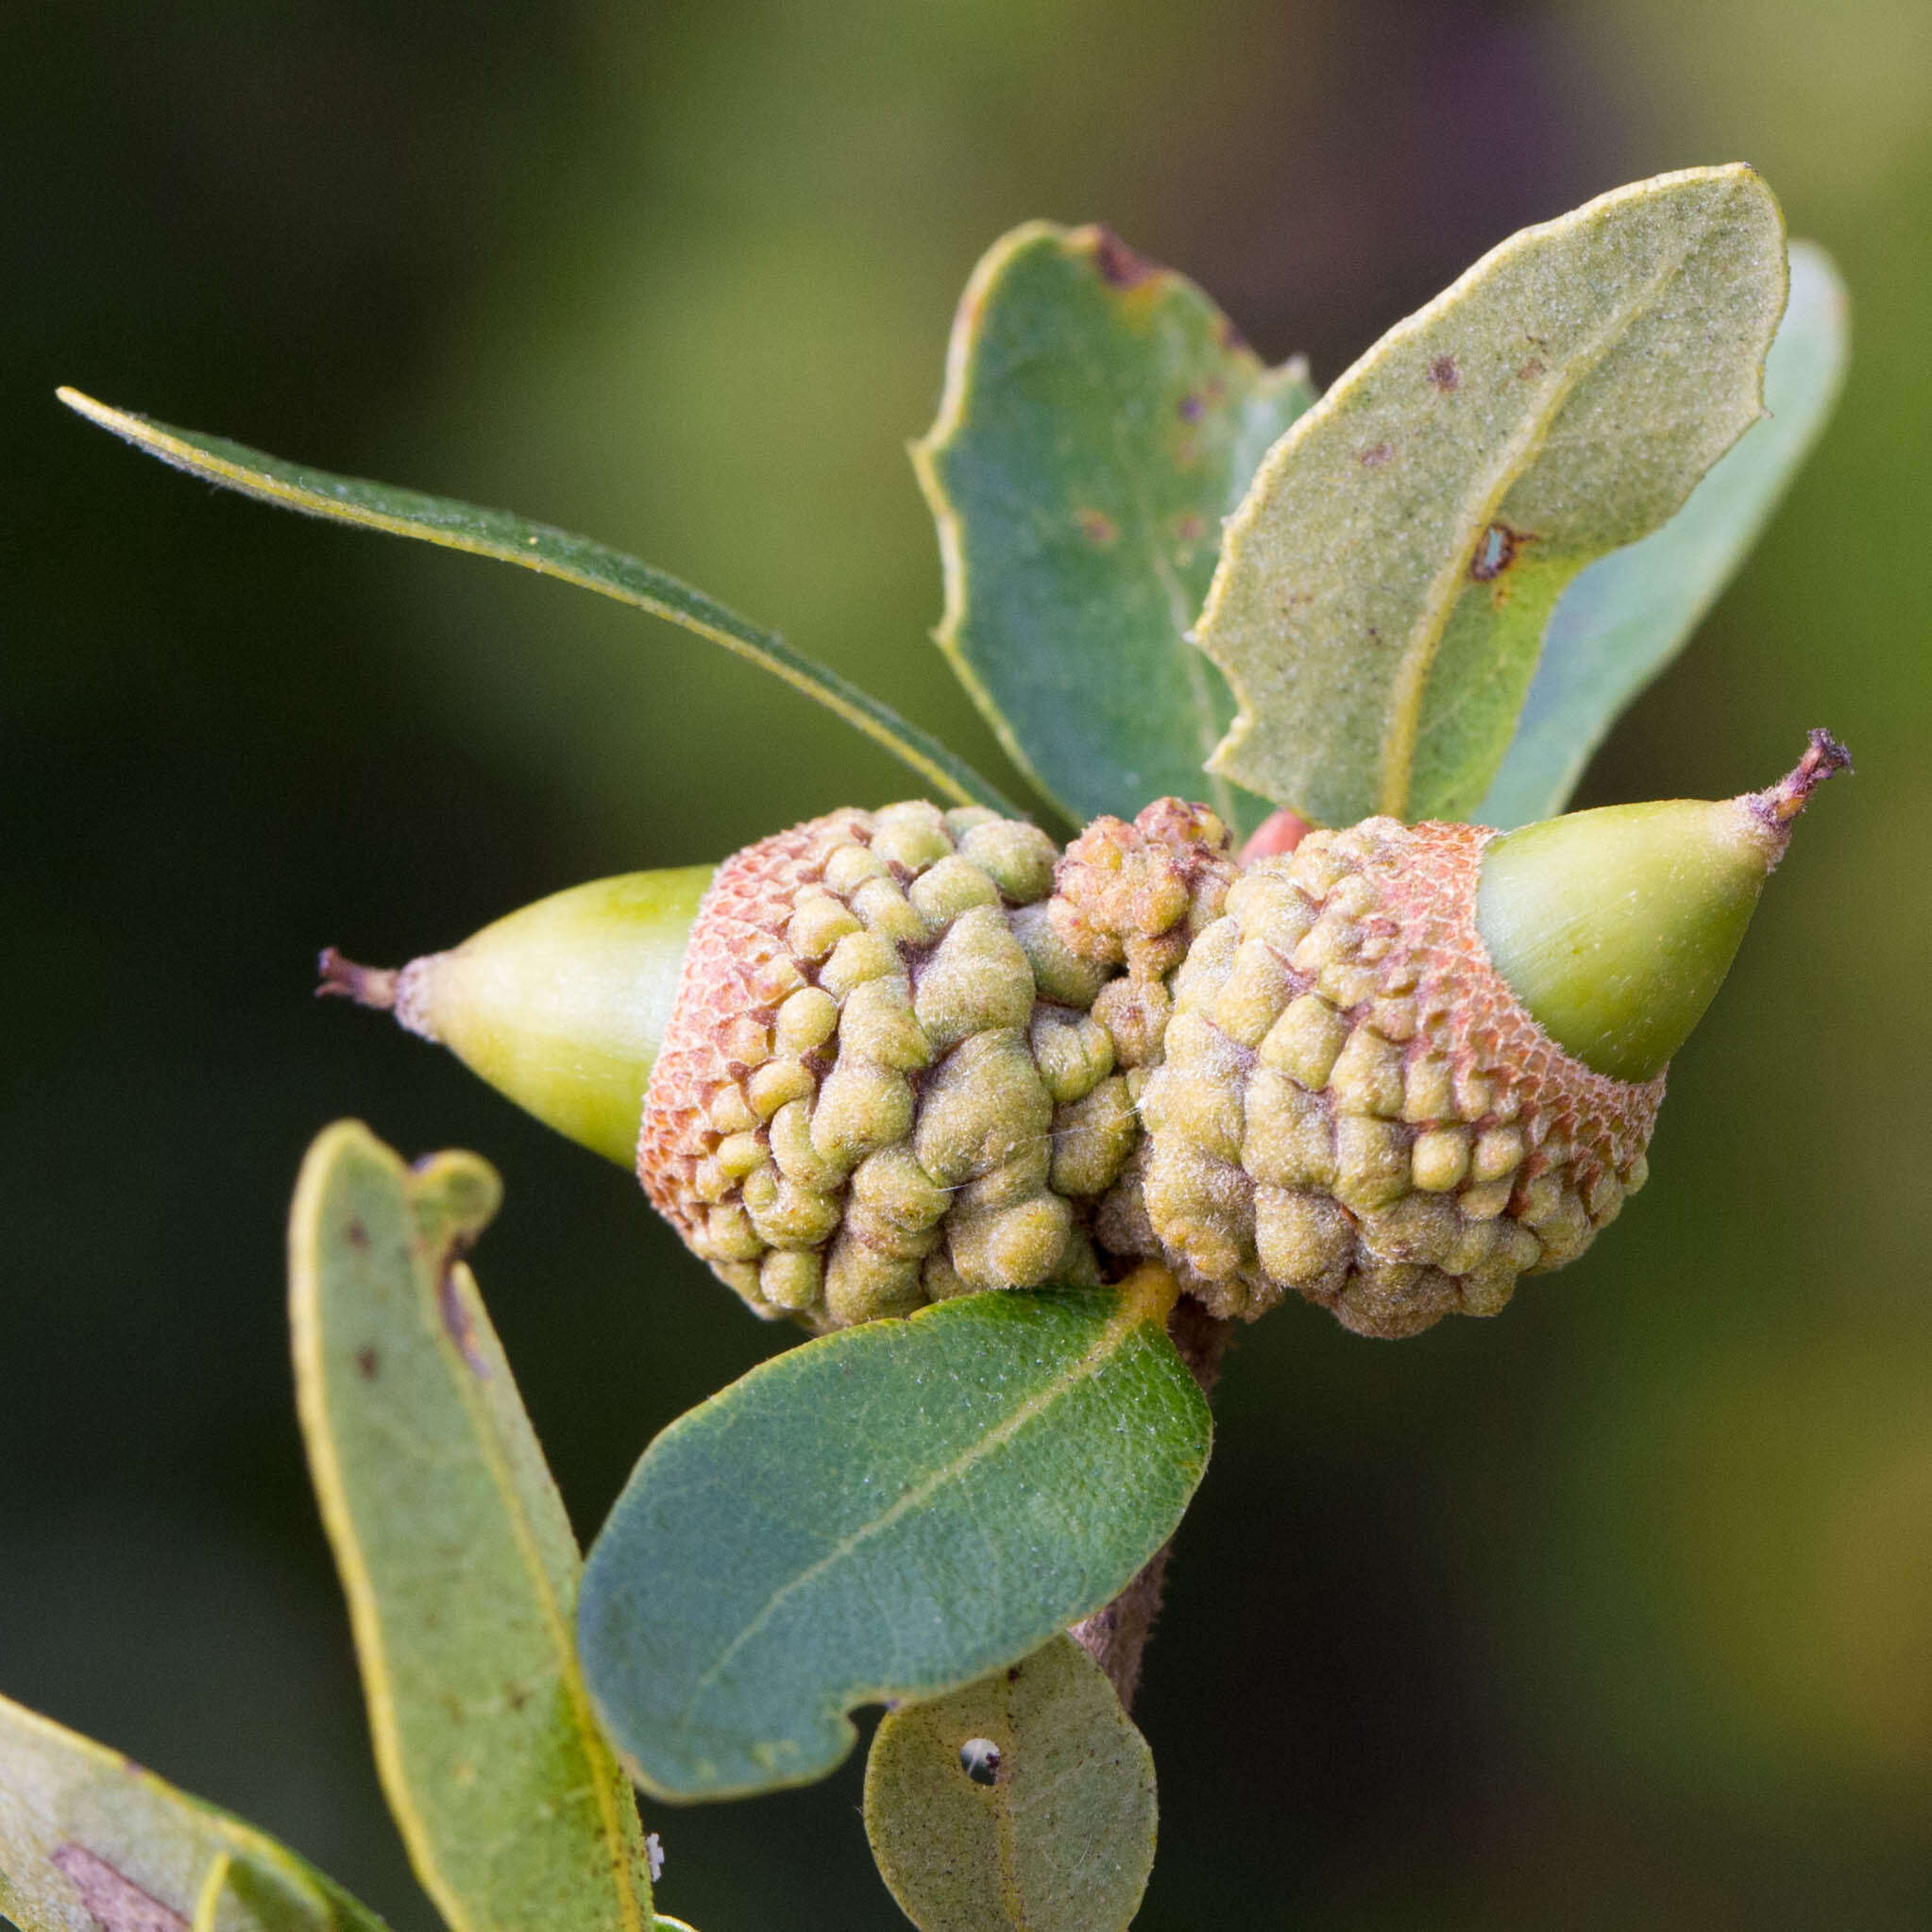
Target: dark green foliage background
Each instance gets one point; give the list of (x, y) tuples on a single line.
[(1614, 1611)]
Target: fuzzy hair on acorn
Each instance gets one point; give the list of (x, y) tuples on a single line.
[(1295, 983)]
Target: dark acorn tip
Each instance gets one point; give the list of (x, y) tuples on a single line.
[(341, 978), (1784, 801)]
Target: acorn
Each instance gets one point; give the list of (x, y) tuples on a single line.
[(890, 1057), (875, 1082), (560, 1004), (1413, 1062)]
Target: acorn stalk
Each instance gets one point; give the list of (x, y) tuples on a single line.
[(562, 1006)]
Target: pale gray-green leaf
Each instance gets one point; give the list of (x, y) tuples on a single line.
[(1061, 1840), (455, 1553), (886, 1512), (1383, 589), (1628, 614), (88, 1839)]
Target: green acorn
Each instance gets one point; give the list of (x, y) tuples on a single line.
[(562, 1005), (890, 1057), (876, 1084), (1412, 1062)]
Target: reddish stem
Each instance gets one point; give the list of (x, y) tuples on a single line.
[(341, 978)]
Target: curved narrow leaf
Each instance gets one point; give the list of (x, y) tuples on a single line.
[(1059, 1839), (1628, 614), (1101, 418), (1383, 590), (512, 540), (90, 1840), (236, 1897), (884, 1513), (455, 1553)]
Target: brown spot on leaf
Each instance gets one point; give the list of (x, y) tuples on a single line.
[(1531, 370), (1192, 409), (1097, 527), (1190, 526), (117, 1902), (1445, 374), (456, 1320), (1496, 550), (358, 1235), (1376, 455), (1118, 262), (369, 1365), (516, 1696)]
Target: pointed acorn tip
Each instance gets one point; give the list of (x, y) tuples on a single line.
[(341, 978), (1779, 803)]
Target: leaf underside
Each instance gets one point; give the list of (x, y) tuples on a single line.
[(1625, 617), (88, 1839), (1101, 418), (886, 1512), (1383, 590), (551, 552), (1062, 1837), (454, 1550)]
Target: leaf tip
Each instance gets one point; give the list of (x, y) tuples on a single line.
[(81, 403)]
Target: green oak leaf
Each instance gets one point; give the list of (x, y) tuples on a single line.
[(234, 1898), (1626, 616), (454, 1550), (89, 1840), (1061, 1838), (886, 1512), (1101, 418), (1383, 589), (579, 560)]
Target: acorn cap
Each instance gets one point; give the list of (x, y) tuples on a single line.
[(1616, 927), (562, 1006), (882, 1085)]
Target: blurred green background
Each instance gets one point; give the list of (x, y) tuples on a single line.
[(1617, 1610)]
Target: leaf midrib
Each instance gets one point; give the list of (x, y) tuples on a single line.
[(1108, 1343), (1409, 688)]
